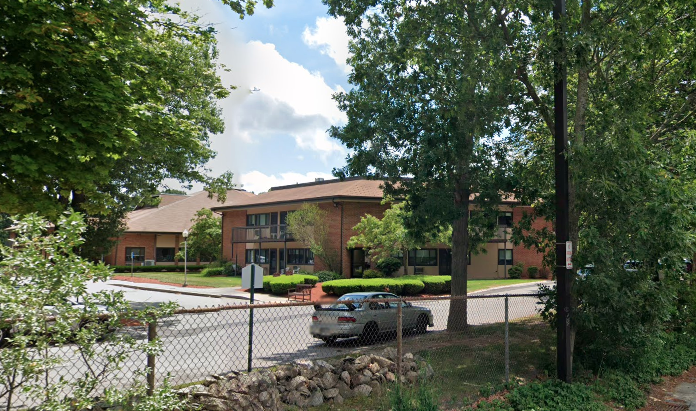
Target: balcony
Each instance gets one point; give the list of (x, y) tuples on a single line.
[(261, 234)]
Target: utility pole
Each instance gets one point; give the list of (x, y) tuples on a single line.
[(560, 100)]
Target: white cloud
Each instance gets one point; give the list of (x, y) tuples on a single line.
[(259, 182), (330, 37)]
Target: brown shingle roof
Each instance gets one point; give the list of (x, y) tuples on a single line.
[(354, 188), (175, 217)]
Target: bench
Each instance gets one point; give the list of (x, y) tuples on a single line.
[(301, 292)]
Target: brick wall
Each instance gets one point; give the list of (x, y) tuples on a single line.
[(520, 253), (235, 218), (118, 255)]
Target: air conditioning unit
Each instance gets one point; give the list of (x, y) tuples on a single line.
[(149, 262)]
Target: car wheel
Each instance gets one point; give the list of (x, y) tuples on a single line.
[(422, 324), (370, 332), (329, 340)]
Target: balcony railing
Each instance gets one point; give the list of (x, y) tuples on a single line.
[(261, 233)]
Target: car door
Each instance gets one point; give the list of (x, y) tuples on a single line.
[(388, 312)]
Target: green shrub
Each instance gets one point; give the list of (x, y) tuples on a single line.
[(213, 272), (532, 271), (281, 284), (435, 284), (373, 274), (389, 265), (516, 271), (327, 276), (554, 395), (620, 389), (399, 286), (231, 269)]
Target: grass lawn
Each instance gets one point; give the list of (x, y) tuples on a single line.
[(220, 282), (191, 279), (476, 285)]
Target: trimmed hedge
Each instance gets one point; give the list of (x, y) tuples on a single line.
[(157, 268), (213, 271), (399, 286), (435, 284), (533, 271), (281, 284)]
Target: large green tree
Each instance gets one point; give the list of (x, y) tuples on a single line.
[(430, 102)]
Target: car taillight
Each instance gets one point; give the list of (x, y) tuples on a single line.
[(315, 318), (346, 319)]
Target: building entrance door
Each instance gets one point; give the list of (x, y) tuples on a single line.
[(445, 262)]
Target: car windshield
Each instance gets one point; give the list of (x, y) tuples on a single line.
[(356, 304)]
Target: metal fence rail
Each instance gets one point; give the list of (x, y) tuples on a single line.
[(502, 340)]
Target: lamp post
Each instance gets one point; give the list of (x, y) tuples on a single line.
[(185, 234)]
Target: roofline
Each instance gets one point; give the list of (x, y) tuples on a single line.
[(316, 183), (307, 200)]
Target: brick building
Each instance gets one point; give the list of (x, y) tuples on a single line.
[(153, 234), (254, 230)]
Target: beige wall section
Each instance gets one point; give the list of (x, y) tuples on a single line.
[(166, 240), (485, 266)]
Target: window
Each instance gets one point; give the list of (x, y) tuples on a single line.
[(422, 257), (505, 219), (163, 255), (136, 253), (504, 257), (258, 219), (300, 256), (257, 256)]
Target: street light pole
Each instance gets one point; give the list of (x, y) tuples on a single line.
[(186, 233)]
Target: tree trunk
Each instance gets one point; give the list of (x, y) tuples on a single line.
[(457, 319)]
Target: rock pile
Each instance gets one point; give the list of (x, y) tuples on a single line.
[(305, 383)]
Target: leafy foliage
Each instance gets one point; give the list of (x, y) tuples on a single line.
[(205, 237), (398, 286), (327, 276), (516, 271), (308, 225), (389, 265), (373, 274), (554, 395), (280, 285), (429, 101), (39, 277)]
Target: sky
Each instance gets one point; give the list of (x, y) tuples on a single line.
[(286, 63)]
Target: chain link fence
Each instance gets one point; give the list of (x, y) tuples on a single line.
[(503, 339)]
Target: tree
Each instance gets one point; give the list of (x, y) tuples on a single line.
[(205, 237), (39, 276), (388, 236), (309, 225), (430, 102)]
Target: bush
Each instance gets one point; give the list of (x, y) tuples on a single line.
[(555, 395), (213, 272), (389, 265), (435, 284), (280, 285), (231, 269), (373, 274), (399, 286), (327, 276), (516, 271), (532, 271)]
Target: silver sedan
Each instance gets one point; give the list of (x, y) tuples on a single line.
[(366, 314)]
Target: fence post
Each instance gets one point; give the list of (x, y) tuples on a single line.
[(251, 316), (399, 336), (151, 336), (507, 343)]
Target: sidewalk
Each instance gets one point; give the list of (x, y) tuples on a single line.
[(226, 292)]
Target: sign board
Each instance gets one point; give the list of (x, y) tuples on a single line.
[(258, 276), (569, 254)]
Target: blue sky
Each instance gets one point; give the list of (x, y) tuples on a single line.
[(294, 54)]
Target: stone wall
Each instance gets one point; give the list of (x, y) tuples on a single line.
[(305, 383)]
